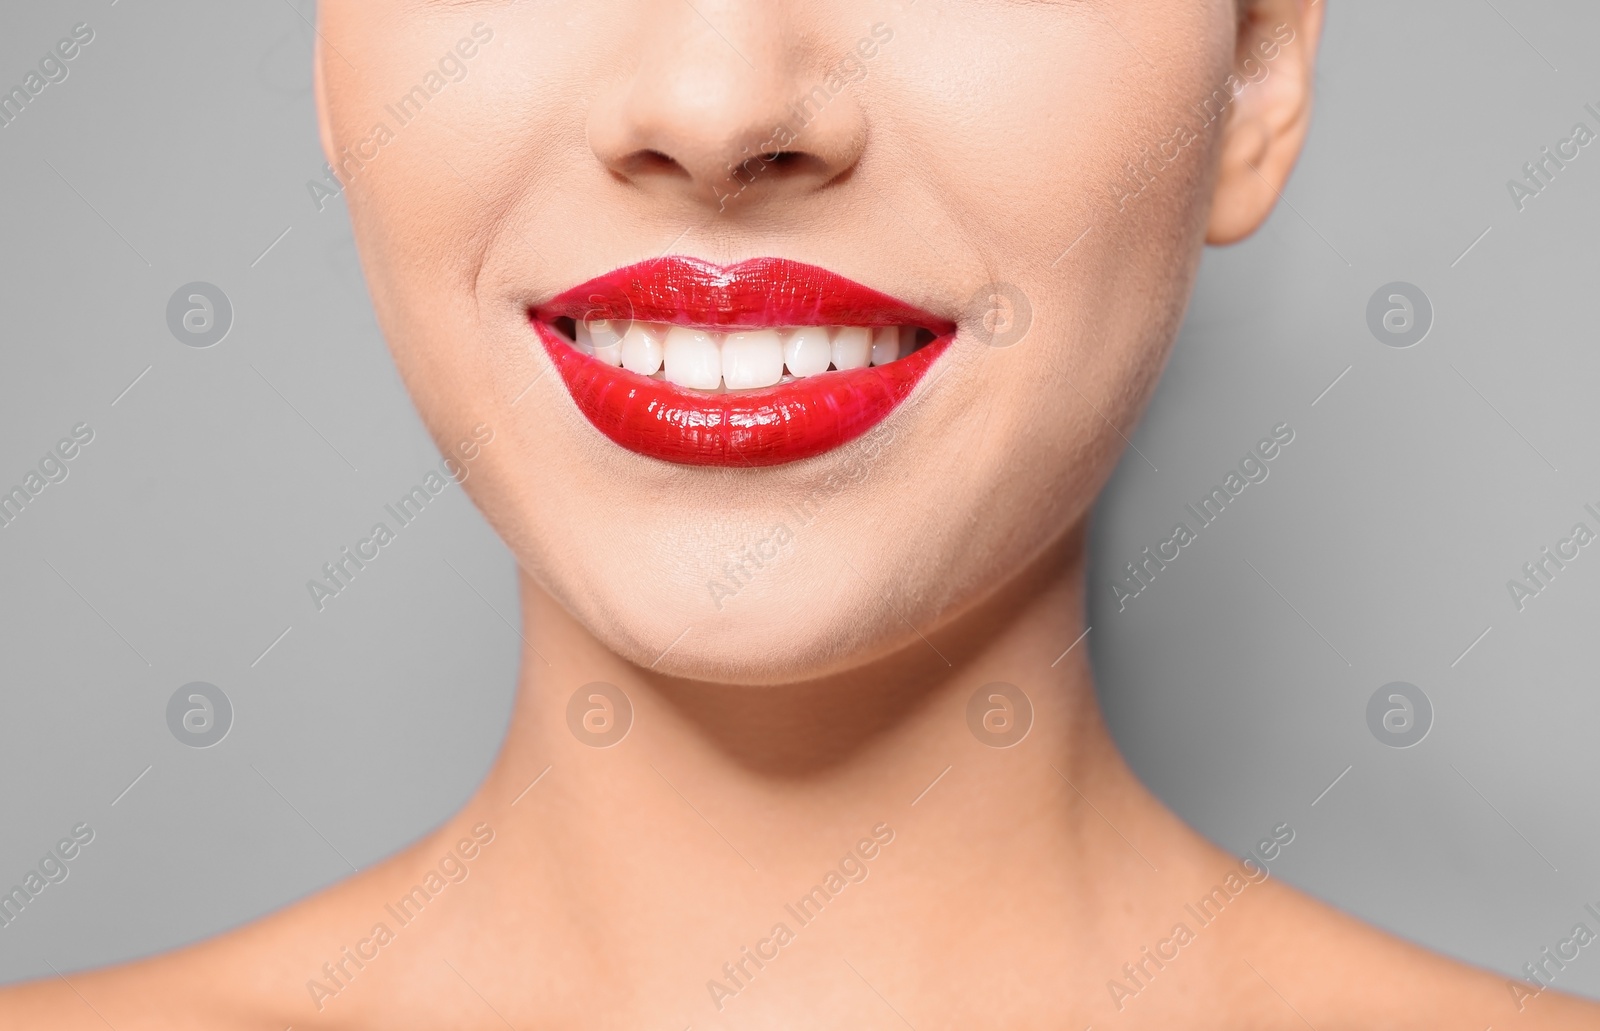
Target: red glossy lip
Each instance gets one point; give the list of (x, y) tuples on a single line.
[(771, 426)]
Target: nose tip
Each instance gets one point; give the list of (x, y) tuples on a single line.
[(720, 120)]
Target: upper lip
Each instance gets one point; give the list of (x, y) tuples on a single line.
[(758, 293)]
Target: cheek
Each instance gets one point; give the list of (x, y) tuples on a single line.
[(1032, 130), (1037, 172)]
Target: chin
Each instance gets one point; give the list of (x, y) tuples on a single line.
[(770, 645), (761, 601)]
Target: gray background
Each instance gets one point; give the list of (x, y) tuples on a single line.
[(177, 549)]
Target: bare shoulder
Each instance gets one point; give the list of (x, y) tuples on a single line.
[(235, 979), (1340, 972), (276, 972), (370, 951)]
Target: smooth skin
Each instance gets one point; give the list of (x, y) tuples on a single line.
[(983, 143)]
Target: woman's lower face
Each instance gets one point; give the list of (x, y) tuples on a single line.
[(792, 327)]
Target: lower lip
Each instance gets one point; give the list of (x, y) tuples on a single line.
[(785, 423)]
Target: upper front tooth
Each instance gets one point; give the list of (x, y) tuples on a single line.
[(743, 359), (752, 359), (885, 344), (692, 359), (808, 350), (641, 348), (852, 347), (606, 338), (582, 338)]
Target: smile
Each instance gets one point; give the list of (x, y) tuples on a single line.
[(760, 363)]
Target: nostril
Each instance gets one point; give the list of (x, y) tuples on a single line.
[(783, 163), (650, 161), (645, 162)]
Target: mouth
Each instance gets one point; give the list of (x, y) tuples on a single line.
[(760, 363)]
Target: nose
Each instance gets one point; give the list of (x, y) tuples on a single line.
[(722, 110)]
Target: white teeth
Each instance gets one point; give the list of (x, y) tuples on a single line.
[(885, 345), (852, 347), (752, 359), (692, 359), (745, 359), (641, 348), (808, 351), (605, 337)]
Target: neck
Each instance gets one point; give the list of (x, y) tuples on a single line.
[(856, 740), (724, 804)]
